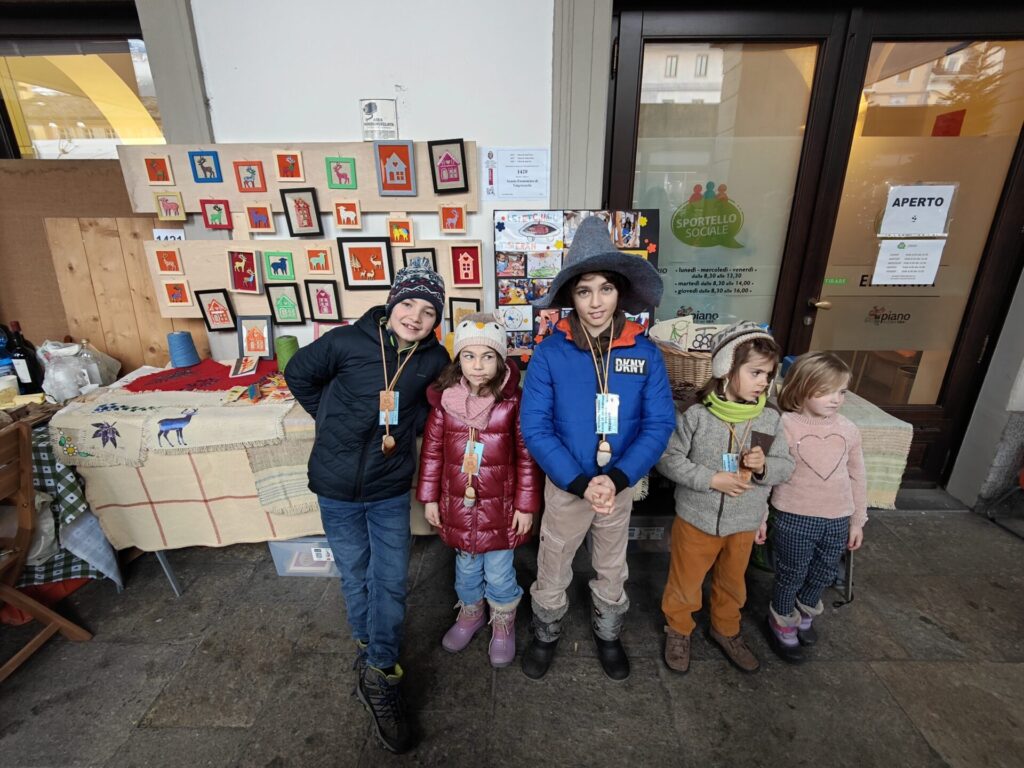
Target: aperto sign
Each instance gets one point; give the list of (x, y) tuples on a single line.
[(708, 218), (917, 210)]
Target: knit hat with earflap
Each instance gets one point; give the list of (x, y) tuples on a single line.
[(417, 283), (483, 329), (724, 343)]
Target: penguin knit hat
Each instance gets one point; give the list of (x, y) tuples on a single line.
[(724, 343), (483, 329), (417, 283)]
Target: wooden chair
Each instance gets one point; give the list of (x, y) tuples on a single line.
[(16, 485)]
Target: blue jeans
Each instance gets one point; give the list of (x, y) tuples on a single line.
[(491, 575), (370, 542)]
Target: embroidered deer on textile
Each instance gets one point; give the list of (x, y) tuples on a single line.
[(175, 425)]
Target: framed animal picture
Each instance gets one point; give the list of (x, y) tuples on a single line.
[(216, 213), (218, 314), (302, 212), (255, 336), (347, 214), (451, 219), (396, 168), (458, 308), (285, 304), (249, 176), (466, 268), (322, 297), (205, 165), (259, 217), (400, 231), (341, 172), (448, 165), (289, 166), (420, 257), (177, 293), (319, 262), (169, 206), (244, 272), (365, 262), (278, 265), (158, 170), (168, 261)]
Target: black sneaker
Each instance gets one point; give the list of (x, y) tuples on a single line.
[(382, 697)]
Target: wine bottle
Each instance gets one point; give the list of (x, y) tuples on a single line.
[(26, 365)]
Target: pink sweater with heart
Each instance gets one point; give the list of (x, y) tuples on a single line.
[(829, 477)]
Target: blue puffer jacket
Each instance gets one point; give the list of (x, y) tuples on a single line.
[(558, 416)]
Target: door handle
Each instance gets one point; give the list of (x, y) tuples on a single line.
[(819, 304)]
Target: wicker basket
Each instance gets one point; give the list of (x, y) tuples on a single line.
[(687, 372)]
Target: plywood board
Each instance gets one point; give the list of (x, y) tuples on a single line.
[(152, 327), (75, 280), (140, 191)]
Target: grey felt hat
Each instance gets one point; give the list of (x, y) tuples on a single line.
[(592, 251)]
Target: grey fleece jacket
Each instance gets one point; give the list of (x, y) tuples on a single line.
[(694, 455)]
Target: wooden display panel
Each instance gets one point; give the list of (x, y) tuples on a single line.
[(140, 191)]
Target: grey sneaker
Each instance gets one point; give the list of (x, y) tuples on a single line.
[(381, 694)]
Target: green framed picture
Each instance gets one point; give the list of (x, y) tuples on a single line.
[(341, 172), (278, 265)]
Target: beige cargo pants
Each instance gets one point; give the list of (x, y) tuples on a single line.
[(567, 519)]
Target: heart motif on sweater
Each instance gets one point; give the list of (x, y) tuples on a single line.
[(822, 454)]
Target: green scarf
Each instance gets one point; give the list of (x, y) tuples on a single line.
[(734, 413)]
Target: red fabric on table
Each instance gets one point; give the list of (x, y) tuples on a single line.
[(47, 594), (206, 376)]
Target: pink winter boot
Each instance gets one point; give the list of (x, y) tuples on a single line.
[(471, 620), (502, 649)]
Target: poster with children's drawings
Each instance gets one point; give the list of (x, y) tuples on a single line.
[(527, 230)]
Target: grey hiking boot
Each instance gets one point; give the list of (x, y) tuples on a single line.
[(381, 694)]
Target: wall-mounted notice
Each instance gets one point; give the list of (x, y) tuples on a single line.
[(379, 118), (514, 173), (917, 210), (907, 262)]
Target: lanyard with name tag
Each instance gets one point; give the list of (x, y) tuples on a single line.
[(388, 409)]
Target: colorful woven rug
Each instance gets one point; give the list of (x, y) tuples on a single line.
[(206, 376)]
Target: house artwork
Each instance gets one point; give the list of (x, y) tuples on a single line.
[(286, 308), (303, 217), (323, 302), (467, 266), (218, 313), (395, 170), (448, 169), (255, 340)]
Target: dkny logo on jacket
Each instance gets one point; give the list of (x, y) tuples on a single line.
[(634, 365)]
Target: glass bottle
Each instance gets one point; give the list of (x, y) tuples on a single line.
[(92, 365), (26, 365)]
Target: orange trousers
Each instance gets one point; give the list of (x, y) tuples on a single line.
[(694, 553)]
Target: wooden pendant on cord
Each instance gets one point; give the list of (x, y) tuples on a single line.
[(604, 453), (469, 498), (387, 445)]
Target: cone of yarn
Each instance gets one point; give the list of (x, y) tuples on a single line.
[(182, 348), (285, 347)]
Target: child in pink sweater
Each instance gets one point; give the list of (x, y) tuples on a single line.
[(821, 510)]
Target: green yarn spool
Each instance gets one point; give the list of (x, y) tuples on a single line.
[(285, 347)]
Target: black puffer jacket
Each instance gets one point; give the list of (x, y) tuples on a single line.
[(337, 380)]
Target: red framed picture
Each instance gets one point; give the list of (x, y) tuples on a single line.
[(244, 269), (466, 269), (249, 176), (216, 213)]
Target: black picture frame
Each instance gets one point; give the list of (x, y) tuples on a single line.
[(431, 252), (452, 145), (345, 264), (268, 322), (223, 293), (453, 301), (293, 229), (314, 315), (296, 295)]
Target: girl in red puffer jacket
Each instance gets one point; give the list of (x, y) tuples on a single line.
[(480, 486)]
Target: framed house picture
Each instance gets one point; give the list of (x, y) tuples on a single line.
[(259, 217), (289, 166), (244, 272), (347, 214), (285, 304), (168, 262), (365, 262), (400, 231), (255, 336), (420, 257), (319, 262), (466, 266), (278, 265), (249, 176), (158, 170), (451, 219), (177, 293), (448, 165), (216, 213), (322, 297), (205, 164), (302, 212), (396, 168), (169, 206), (341, 172), (218, 314), (458, 308)]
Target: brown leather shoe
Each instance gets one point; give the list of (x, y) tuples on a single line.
[(736, 651), (677, 650)]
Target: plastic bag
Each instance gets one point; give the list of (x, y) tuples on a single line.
[(65, 377), (52, 350)]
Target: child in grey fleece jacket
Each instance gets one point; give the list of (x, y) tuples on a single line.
[(726, 453)]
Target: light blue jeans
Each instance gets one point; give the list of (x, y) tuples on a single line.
[(491, 575)]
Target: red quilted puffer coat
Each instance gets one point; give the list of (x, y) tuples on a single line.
[(509, 479)]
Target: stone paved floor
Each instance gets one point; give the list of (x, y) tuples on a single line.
[(924, 668)]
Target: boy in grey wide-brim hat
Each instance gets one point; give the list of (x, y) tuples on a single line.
[(596, 415)]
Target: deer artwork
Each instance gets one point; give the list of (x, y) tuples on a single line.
[(203, 164), (156, 171), (169, 206), (249, 281), (377, 263), (240, 263), (250, 177), (341, 173), (452, 219), (175, 294), (319, 261), (175, 425), (259, 219), (217, 214)]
